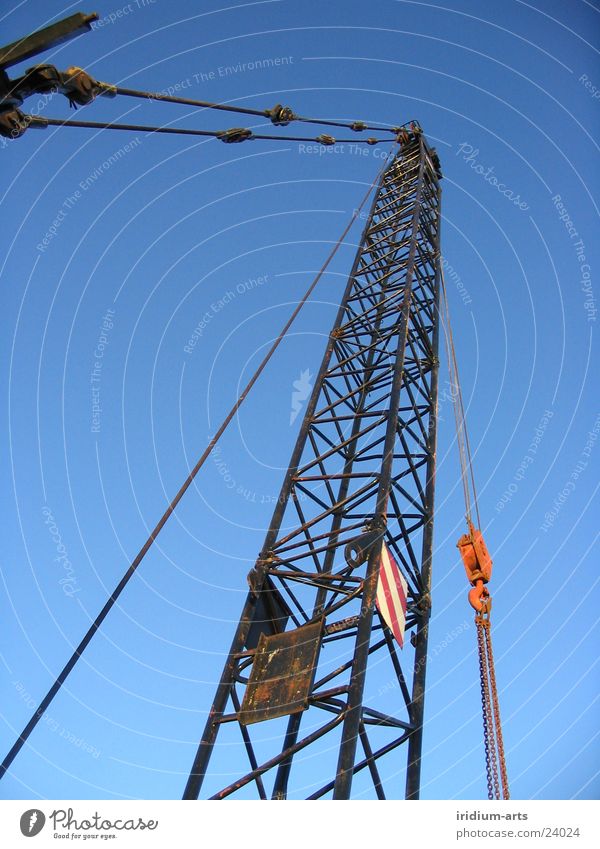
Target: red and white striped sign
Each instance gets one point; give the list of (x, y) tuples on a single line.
[(392, 591)]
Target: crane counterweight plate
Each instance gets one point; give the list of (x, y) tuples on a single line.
[(282, 674)]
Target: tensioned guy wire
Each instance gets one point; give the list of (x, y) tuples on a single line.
[(280, 115), (82, 90), (46, 701), (232, 135)]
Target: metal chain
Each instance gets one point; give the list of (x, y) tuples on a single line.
[(484, 706), (494, 754), (499, 740), (492, 731)]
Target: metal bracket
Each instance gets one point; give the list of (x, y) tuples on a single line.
[(12, 92), (46, 39), (357, 550)]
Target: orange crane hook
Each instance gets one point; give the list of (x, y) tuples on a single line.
[(479, 598)]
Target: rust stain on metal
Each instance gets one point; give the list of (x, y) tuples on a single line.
[(282, 674), (342, 625)]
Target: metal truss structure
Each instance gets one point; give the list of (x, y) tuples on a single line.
[(312, 663)]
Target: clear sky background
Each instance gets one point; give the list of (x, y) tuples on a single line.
[(171, 234)]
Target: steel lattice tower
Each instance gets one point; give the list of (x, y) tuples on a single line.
[(296, 684)]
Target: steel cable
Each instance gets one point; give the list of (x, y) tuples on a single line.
[(234, 135), (492, 729), (286, 115), (54, 689)]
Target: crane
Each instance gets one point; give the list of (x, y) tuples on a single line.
[(360, 482), (343, 580)]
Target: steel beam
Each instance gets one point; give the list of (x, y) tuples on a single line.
[(361, 474)]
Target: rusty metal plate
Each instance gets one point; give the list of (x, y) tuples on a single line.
[(282, 674)]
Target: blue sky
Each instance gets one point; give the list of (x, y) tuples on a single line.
[(152, 238)]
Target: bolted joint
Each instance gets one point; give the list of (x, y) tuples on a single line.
[(13, 124), (358, 549), (378, 523), (79, 87), (75, 83), (107, 89), (235, 135), (326, 140), (280, 115), (41, 79), (423, 606), (256, 577)]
